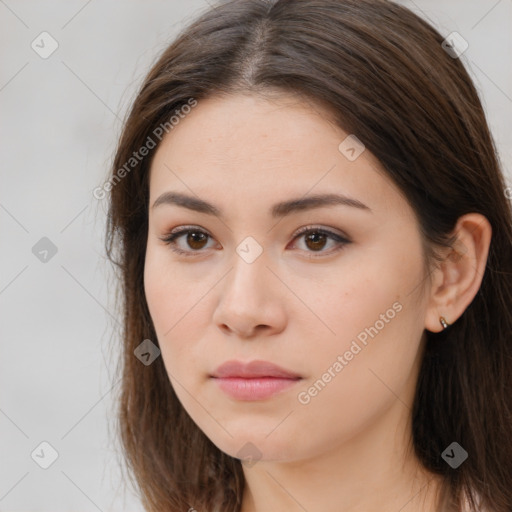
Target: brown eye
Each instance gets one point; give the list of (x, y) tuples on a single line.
[(316, 241), (196, 239)]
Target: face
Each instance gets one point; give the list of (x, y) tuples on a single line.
[(326, 290)]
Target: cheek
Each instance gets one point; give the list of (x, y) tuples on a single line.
[(377, 334), (164, 298), (355, 293), (168, 293), (159, 295), (343, 397), (177, 306)]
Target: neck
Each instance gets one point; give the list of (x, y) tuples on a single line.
[(372, 472)]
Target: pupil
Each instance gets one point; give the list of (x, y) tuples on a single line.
[(192, 239), (313, 237)]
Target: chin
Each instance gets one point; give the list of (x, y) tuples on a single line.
[(251, 444)]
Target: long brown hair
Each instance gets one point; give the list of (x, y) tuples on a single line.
[(383, 73)]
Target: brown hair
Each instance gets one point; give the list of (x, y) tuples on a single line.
[(382, 72)]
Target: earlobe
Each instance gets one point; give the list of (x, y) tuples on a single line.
[(460, 275), (444, 323)]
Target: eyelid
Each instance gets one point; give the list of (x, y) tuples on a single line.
[(320, 229)]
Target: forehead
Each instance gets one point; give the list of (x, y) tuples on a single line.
[(263, 150)]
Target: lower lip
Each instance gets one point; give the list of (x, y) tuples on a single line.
[(254, 389)]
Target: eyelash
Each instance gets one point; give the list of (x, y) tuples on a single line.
[(170, 239)]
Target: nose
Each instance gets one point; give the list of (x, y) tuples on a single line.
[(251, 300)]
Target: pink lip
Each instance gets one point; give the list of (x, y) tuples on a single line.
[(252, 370), (256, 380)]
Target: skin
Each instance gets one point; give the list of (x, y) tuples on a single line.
[(348, 448)]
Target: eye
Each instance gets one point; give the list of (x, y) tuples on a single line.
[(315, 240), (195, 239)]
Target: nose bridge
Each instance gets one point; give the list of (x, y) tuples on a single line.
[(248, 276), (245, 297), (250, 297)]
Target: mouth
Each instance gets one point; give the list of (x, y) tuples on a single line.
[(257, 380)]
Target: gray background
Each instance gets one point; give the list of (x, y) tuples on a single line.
[(60, 117)]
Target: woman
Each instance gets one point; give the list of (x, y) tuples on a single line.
[(315, 247)]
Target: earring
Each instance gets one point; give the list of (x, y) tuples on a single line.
[(444, 323)]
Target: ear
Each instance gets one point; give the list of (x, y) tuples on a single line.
[(458, 278)]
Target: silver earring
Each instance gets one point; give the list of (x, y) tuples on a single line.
[(444, 323)]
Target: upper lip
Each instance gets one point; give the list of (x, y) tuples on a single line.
[(253, 369)]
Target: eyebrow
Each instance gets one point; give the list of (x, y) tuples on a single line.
[(278, 210)]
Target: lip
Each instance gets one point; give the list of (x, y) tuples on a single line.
[(256, 380), (253, 369)]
